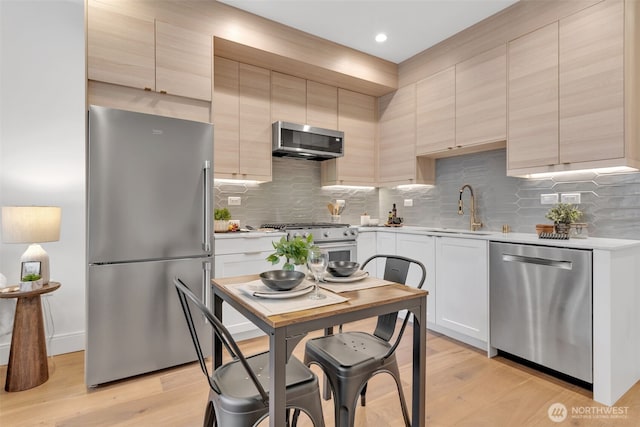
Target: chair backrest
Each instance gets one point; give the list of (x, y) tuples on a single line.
[(396, 270), (185, 294)]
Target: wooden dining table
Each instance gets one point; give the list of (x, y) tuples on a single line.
[(286, 330)]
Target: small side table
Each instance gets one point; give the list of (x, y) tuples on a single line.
[(27, 366)]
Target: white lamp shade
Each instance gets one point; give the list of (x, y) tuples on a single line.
[(30, 224)]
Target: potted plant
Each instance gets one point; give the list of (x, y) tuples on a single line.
[(30, 282), (221, 220), (294, 251), (562, 215)]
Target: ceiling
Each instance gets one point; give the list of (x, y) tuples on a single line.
[(411, 25)]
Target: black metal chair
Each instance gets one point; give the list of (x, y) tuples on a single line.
[(350, 359), (239, 393)]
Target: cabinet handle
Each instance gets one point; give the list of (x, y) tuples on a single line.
[(566, 265), (147, 89), (164, 92)]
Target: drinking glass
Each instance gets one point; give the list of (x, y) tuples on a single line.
[(317, 261)]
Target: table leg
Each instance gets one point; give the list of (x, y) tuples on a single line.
[(27, 366), (419, 365), (277, 383)]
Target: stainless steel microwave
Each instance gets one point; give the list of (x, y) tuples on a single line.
[(304, 141)]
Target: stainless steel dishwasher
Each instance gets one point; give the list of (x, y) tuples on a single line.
[(541, 306)]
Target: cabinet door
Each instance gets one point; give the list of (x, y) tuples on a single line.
[(397, 150), (183, 62), (288, 98), (533, 99), (322, 105), (436, 112), (385, 245), (462, 286), (481, 98), (366, 249), (255, 123), (421, 248), (226, 117), (121, 48), (237, 265), (357, 119), (592, 83)]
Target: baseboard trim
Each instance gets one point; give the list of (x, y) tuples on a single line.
[(59, 344)]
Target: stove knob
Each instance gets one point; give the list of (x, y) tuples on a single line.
[(354, 232), (295, 234), (325, 234), (346, 233), (305, 235)]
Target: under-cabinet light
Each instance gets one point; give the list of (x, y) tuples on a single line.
[(615, 169)]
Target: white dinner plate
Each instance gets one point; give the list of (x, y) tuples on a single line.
[(283, 294), (358, 275)]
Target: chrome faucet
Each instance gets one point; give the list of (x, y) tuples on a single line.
[(474, 223)]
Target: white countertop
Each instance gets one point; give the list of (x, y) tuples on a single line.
[(249, 234), (498, 236)]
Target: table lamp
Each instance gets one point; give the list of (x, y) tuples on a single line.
[(33, 225)]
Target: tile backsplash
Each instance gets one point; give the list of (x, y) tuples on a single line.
[(610, 202)]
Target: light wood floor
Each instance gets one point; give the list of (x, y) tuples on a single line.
[(464, 388)]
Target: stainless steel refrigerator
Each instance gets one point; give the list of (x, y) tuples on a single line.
[(149, 219)]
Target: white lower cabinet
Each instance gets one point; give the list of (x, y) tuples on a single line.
[(415, 246), (421, 248), (366, 249), (239, 256), (461, 267), (385, 245)]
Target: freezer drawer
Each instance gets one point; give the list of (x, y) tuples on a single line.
[(541, 306), (134, 320)]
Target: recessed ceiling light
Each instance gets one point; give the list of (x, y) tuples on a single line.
[(382, 37)]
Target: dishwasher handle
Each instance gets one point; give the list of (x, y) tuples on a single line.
[(565, 265)]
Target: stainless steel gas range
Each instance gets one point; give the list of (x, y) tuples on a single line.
[(339, 240)]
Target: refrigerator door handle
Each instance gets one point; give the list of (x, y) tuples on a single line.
[(206, 238)]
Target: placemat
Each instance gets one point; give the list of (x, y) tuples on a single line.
[(369, 282), (270, 307)]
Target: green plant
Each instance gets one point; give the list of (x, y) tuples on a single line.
[(31, 277), (295, 251), (564, 213), (222, 214)]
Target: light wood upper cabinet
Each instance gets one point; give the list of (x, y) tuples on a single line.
[(592, 83), (288, 98), (255, 123), (533, 99), (121, 48), (147, 54), (242, 122), (226, 117), (436, 112), (322, 105), (183, 62), (568, 109), (397, 161), (357, 119), (481, 98)]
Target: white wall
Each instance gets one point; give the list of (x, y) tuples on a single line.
[(42, 149)]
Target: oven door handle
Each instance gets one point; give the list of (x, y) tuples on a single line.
[(345, 245)]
